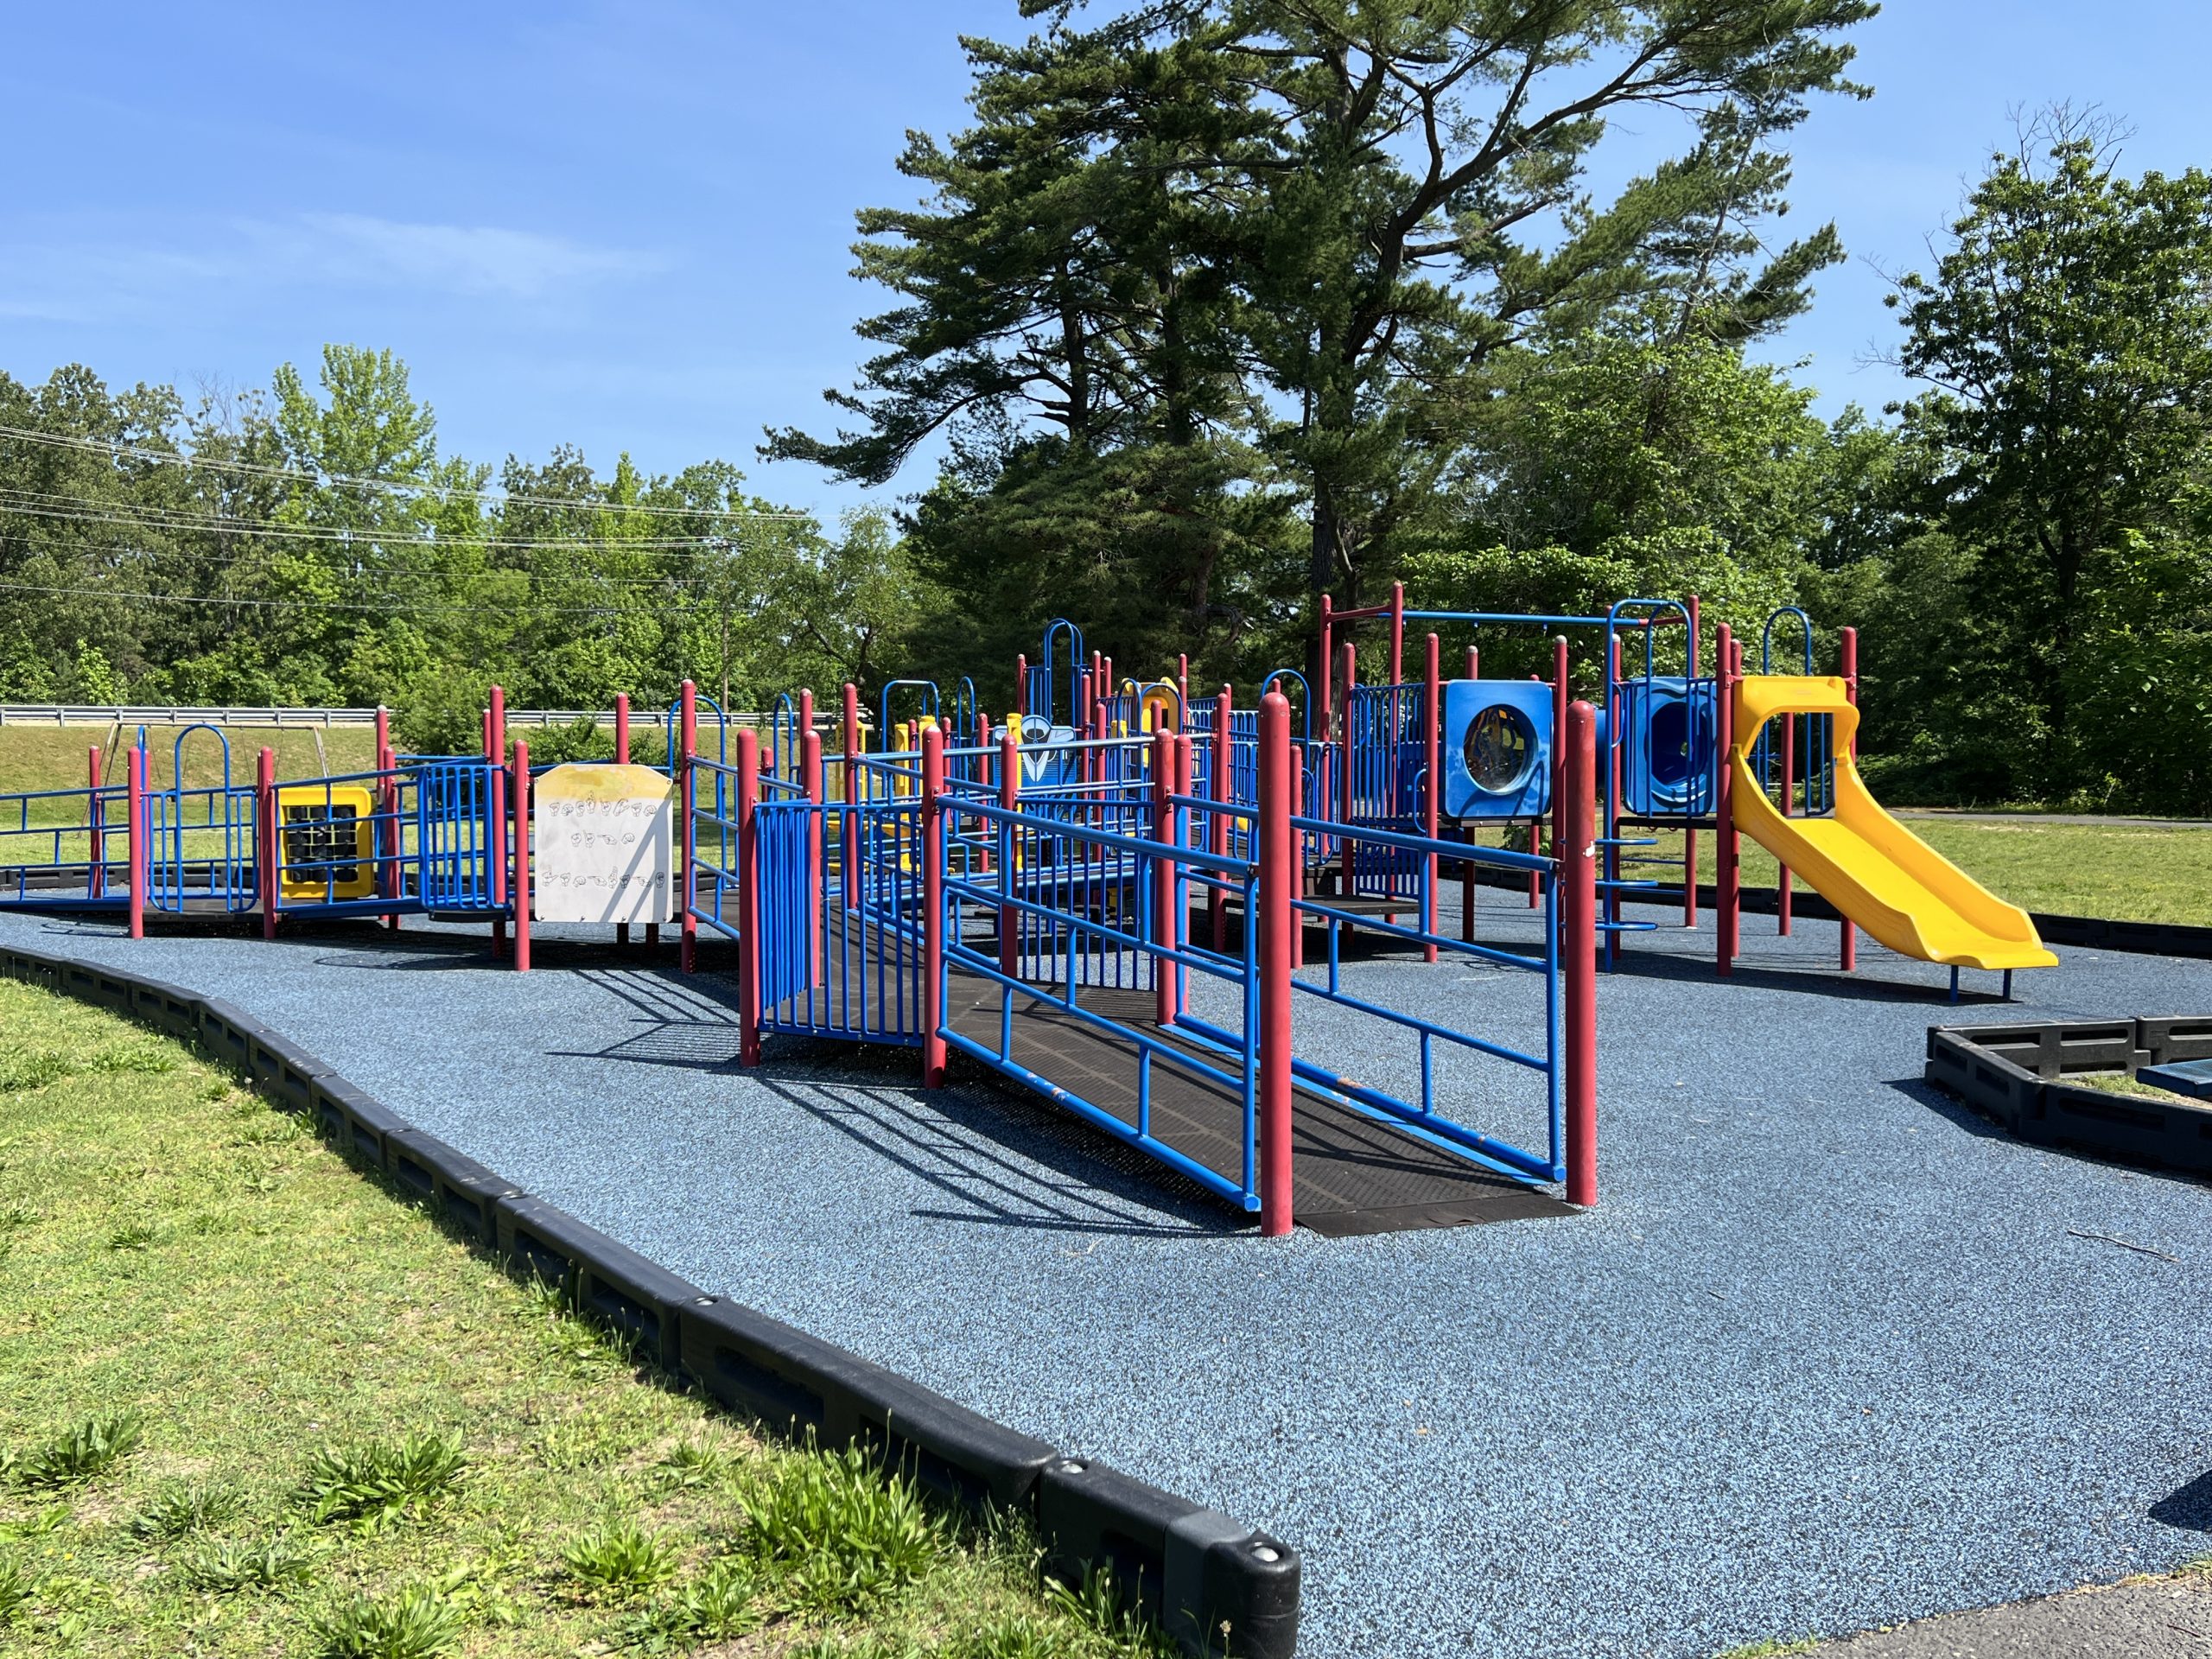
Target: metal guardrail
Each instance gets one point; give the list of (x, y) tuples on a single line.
[(62, 714)]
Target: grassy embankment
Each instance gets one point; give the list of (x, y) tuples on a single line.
[(252, 1403)]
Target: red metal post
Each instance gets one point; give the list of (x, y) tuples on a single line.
[(522, 857), (135, 803), (1297, 851), (267, 838), (1431, 807), (1163, 875), (686, 796), (1280, 875), (809, 766), (1218, 826), (1725, 897), (748, 897), (1849, 936), (1021, 683), (1689, 836), (1009, 789), (848, 825), (1578, 866), (1397, 634), (932, 908), (1474, 663), (1186, 773), (1182, 687), (1351, 665)]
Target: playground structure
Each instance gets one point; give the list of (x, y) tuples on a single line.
[(1105, 895), (1771, 754)]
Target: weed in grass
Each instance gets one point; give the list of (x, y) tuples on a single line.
[(1096, 1602), (181, 1507), (23, 1069), (617, 1559), (147, 1059), (226, 1567), (16, 1217), (81, 1452), (584, 1443), (377, 1483), (415, 1622), (1015, 1638), (15, 1587), (693, 1464), (137, 1236), (722, 1602), (842, 1535)]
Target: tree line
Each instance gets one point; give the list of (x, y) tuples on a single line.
[(1215, 306)]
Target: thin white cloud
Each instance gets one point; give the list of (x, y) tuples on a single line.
[(86, 275), (475, 259)]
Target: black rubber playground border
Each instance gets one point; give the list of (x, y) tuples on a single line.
[(1213, 1585), (2017, 1075)]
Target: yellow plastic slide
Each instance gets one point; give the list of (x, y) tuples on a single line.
[(1884, 879)]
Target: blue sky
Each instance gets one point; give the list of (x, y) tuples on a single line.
[(628, 226)]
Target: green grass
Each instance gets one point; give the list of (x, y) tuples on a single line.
[(293, 1416), (50, 757), (2124, 872)]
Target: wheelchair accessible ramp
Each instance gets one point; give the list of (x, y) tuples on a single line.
[(1352, 1172)]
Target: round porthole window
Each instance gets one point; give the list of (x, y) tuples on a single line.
[(1501, 749)]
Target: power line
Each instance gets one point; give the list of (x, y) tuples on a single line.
[(494, 497), (150, 557), (165, 518), (313, 604)]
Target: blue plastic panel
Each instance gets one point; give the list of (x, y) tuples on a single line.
[(1667, 753), (1496, 739)]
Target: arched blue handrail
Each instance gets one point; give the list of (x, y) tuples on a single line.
[(965, 707), (1053, 629), (929, 709), (1304, 697), (1766, 638), (176, 754), (699, 700), (782, 716), (1623, 615)]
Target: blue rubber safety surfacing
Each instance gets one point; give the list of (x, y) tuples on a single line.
[(1833, 1352)]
